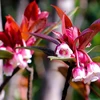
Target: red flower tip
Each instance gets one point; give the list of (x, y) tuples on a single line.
[(60, 13), (32, 11)]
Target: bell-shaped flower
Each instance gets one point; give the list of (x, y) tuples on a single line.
[(63, 51), (78, 74), (92, 72)]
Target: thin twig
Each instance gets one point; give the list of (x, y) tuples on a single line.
[(8, 78), (30, 80), (64, 94)]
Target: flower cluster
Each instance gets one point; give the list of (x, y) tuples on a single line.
[(73, 44), (15, 36)]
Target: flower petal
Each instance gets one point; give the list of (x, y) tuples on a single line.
[(4, 39), (68, 22), (24, 29), (87, 35), (37, 26), (32, 11), (8, 69), (12, 31)]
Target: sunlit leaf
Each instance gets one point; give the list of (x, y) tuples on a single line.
[(59, 58), (5, 54)]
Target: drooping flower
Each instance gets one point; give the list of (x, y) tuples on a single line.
[(77, 42), (92, 72), (78, 74), (72, 40)]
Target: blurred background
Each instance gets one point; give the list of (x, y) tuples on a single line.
[(48, 81)]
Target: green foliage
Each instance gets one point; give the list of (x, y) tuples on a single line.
[(94, 93), (5, 54), (77, 96)]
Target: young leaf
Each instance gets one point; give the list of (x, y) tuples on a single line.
[(58, 58)]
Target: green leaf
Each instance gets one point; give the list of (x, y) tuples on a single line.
[(95, 92), (59, 58), (76, 95), (4, 54), (95, 49), (96, 59)]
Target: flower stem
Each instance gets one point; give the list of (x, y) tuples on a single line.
[(64, 94), (77, 58), (30, 79)]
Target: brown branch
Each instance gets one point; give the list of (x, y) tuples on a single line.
[(30, 80)]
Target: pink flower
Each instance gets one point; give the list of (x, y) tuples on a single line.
[(78, 74), (77, 42), (8, 69), (92, 72), (34, 20), (14, 36), (63, 51), (82, 57)]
